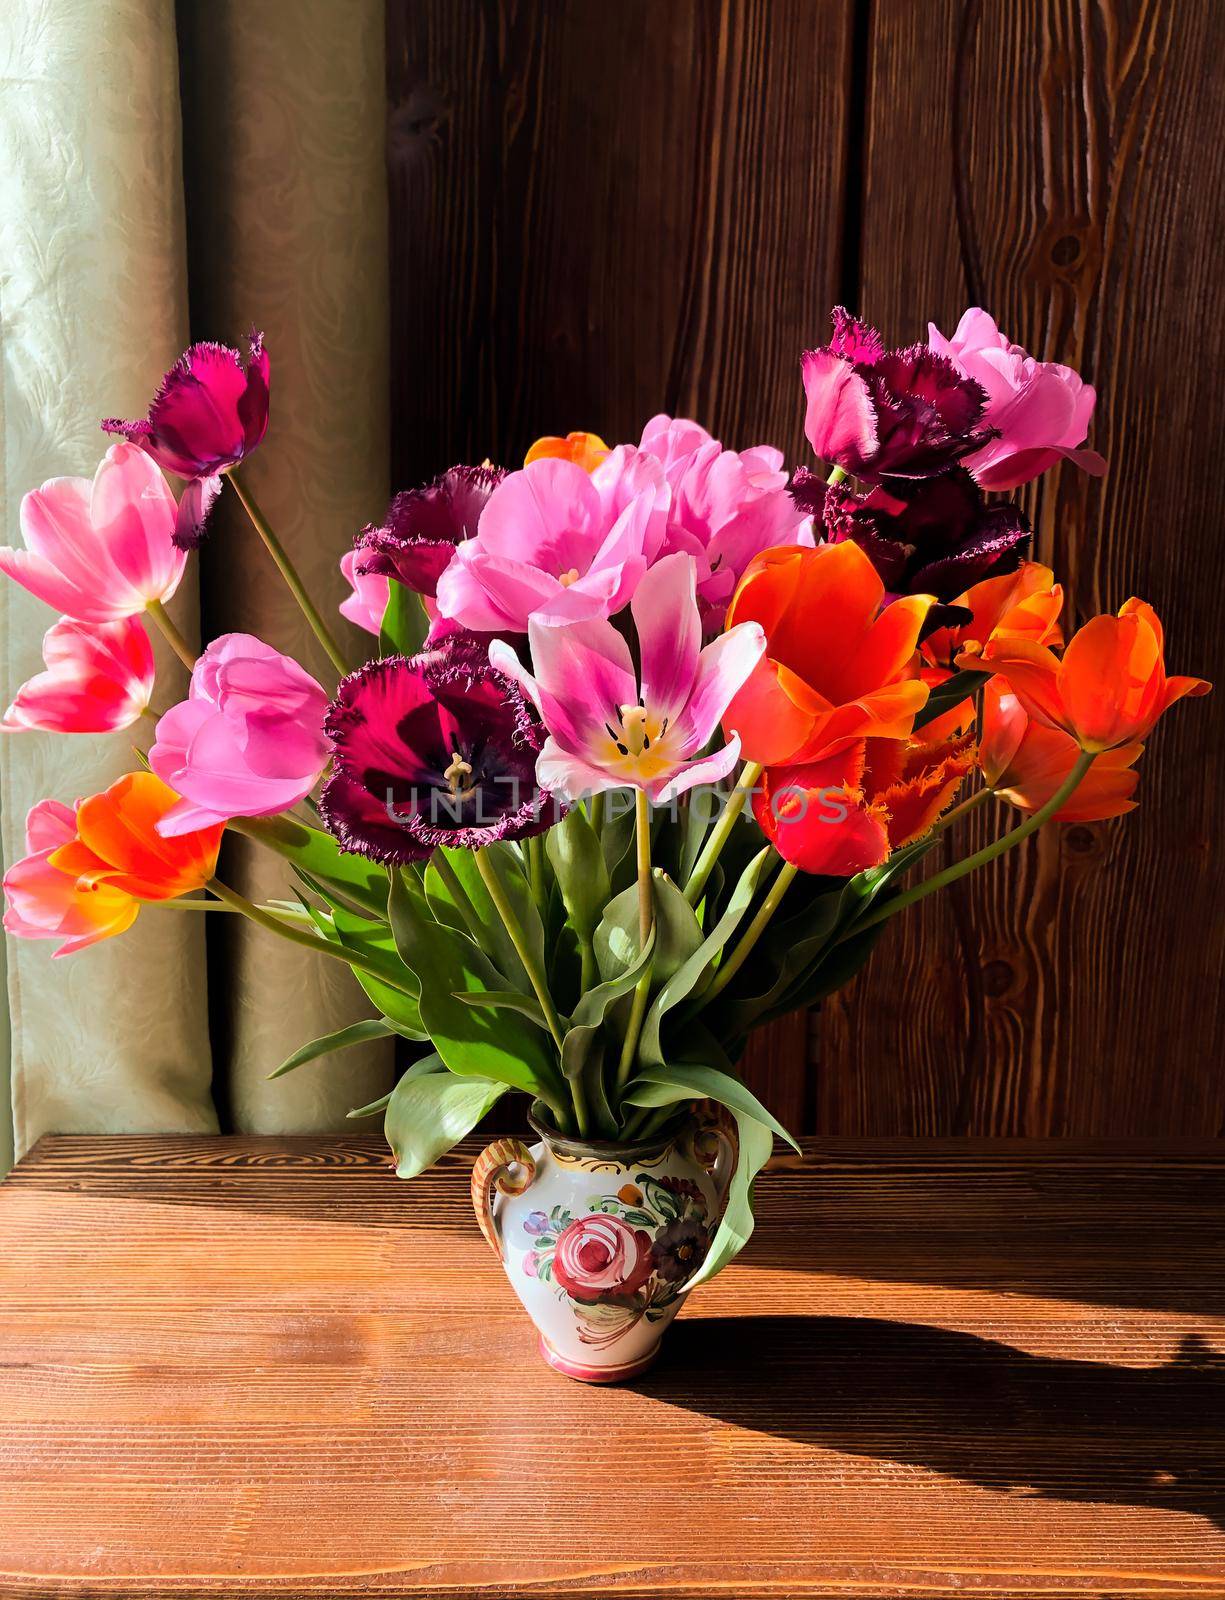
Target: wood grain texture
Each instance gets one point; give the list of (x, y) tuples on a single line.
[(1060, 162), (266, 1368), (601, 212)]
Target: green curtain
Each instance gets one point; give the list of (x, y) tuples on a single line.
[(133, 218)]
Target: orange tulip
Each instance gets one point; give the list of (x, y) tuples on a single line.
[(117, 845), (837, 667), (915, 782), (1025, 761), (1110, 686), (849, 811), (1024, 604), (86, 874), (586, 450)]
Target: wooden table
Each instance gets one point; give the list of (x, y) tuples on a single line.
[(263, 1367)]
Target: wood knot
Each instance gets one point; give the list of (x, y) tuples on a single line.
[(998, 977)]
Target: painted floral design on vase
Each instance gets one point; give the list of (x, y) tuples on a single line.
[(601, 1241)]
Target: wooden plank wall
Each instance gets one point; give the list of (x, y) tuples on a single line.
[(602, 211)]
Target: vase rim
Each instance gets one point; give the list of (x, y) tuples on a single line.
[(625, 1152)]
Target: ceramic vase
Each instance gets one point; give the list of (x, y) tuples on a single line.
[(600, 1241)]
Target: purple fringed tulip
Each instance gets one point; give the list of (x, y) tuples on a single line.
[(880, 413), (934, 536), (436, 749), (416, 540), (209, 413)]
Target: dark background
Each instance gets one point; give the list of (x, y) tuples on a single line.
[(606, 208)]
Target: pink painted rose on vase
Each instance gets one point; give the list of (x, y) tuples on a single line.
[(598, 1257)]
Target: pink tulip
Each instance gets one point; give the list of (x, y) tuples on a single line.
[(558, 544), (208, 414), (610, 729), (99, 677), (103, 550), (247, 742), (44, 902), (727, 506), (366, 605), (1041, 409)]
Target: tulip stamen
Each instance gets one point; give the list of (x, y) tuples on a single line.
[(455, 775)]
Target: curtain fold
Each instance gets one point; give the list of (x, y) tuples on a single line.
[(287, 224), (93, 305), (277, 149)]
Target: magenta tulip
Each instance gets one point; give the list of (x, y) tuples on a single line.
[(103, 550), (208, 414), (1039, 409), (417, 538), (247, 742), (436, 749), (99, 677)]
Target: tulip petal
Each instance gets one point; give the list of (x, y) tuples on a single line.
[(100, 677), (120, 828), (814, 816), (840, 419), (194, 506), (665, 612)]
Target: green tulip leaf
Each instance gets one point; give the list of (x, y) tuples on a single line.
[(405, 623), (676, 1082), (494, 939), (472, 1040), (582, 877), (961, 686), (526, 1005), (355, 1033), (431, 1110), (684, 979), (317, 854)]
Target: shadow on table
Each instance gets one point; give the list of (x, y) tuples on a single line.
[(972, 1408)]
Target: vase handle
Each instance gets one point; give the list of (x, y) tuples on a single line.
[(510, 1165), (715, 1145)]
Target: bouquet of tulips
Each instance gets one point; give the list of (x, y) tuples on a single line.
[(651, 742)]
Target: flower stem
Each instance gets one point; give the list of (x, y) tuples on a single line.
[(193, 905), (970, 804), (646, 915), (981, 857), (642, 831), (511, 923), (275, 924), (173, 637), (745, 785), (290, 574), (750, 936), (535, 868), (595, 813)]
